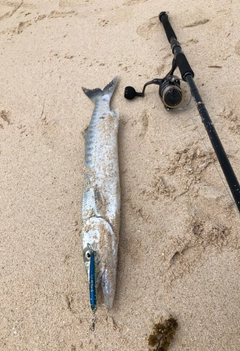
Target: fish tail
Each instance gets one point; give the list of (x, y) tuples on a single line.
[(97, 93)]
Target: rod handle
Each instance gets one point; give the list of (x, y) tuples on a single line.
[(184, 66), (163, 17), (181, 59)]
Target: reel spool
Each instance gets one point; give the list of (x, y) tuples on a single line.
[(171, 93)]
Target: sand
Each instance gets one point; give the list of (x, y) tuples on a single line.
[(179, 238)]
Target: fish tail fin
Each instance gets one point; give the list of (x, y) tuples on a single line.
[(109, 89)]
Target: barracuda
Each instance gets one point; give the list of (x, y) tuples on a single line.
[(101, 196)]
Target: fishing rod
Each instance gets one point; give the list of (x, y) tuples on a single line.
[(172, 96)]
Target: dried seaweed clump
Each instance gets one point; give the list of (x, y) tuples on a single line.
[(162, 335)]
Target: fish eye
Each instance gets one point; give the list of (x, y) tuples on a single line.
[(88, 254)]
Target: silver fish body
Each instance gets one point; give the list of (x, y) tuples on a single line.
[(101, 191)]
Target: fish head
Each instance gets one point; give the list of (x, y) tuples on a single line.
[(98, 237)]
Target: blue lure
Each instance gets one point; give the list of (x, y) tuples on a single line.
[(92, 283)]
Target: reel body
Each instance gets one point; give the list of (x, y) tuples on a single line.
[(171, 92)]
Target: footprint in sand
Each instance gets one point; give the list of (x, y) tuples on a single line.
[(133, 2), (146, 29), (71, 3), (237, 48), (5, 117), (7, 9)]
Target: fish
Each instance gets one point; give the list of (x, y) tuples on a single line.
[(101, 196)]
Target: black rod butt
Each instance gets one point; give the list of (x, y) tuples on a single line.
[(163, 17), (163, 13)]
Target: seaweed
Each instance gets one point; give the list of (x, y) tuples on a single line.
[(162, 335)]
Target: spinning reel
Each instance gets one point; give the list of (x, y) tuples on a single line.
[(171, 92)]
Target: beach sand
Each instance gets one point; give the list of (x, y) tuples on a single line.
[(179, 238)]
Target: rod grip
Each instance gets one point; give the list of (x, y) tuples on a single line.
[(163, 17), (183, 65)]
